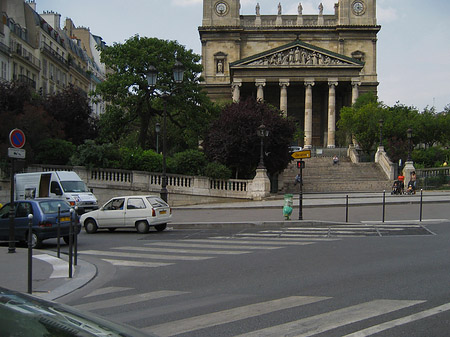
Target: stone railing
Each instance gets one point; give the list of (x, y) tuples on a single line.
[(433, 172), (385, 163), (107, 183)]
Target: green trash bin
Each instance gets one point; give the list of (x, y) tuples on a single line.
[(287, 206)]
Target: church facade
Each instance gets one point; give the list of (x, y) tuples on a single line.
[(310, 66)]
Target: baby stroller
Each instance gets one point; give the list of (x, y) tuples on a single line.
[(398, 186), (411, 187)]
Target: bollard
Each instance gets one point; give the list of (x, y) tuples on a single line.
[(421, 200), (75, 238), (346, 208), (70, 242), (384, 203), (58, 235), (30, 253)]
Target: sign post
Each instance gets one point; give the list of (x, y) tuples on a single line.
[(17, 140), (300, 165)]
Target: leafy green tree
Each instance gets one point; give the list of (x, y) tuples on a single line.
[(233, 141), (126, 87), (54, 151), (91, 154)]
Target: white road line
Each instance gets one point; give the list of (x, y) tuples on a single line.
[(184, 251), (231, 315), (107, 290), (127, 263), (269, 241), (145, 256), (397, 322), (331, 320), (60, 267), (198, 245), (124, 300)]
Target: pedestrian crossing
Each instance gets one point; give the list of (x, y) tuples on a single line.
[(315, 324)]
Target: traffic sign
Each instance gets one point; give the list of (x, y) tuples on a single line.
[(16, 153), (17, 138), (301, 154)]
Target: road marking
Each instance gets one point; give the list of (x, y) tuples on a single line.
[(230, 315), (400, 321), (107, 290), (124, 300), (184, 251), (127, 263), (60, 267), (198, 245), (269, 241), (145, 256), (331, 320)]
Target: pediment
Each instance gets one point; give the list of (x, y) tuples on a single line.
[(296, 55)]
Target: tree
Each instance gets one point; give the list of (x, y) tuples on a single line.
[(187, 106), (71, 108), (232, 139)]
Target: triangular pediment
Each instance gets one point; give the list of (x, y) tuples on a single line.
[(296, 55)]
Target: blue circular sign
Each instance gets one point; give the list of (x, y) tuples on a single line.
[(17, 138)]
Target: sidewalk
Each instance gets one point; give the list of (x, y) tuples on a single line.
[(50, 275)]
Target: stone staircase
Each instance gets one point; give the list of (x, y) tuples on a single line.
[(320, 175)]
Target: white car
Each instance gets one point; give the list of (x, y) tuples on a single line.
[(136, 211)]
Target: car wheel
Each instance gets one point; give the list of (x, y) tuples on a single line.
[(90, 226), (142, 227), (66, 239), (36, 241), (160, 228)]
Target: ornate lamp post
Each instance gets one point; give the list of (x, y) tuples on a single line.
[(409, 136), (152, 76), (157, 130), (380, 123), (262, 132)]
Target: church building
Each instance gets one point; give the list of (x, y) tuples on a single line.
[(310, 66)]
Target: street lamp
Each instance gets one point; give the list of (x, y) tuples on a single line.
[(152, 76), (157, 129), (409, 136), (380, 122), (262, 132)]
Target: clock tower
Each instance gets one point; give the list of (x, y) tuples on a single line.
[(357, 12), (221, 13)]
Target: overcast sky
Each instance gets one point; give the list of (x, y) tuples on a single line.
[(413, 44)]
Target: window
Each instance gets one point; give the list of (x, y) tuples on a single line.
[(135, 203), (114, 204), (23, 209)]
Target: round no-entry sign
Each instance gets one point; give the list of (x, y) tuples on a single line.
[(17, 138)]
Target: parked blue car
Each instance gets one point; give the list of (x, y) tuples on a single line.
[(45, 220)]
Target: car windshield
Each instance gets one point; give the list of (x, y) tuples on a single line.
[(51, 206), (74, 186), (157, 202)]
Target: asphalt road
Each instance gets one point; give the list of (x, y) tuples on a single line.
[(267, 282)]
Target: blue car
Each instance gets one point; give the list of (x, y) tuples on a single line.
[(45, 220)]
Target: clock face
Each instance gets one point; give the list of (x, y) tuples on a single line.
[(221, 8), (358, 7)]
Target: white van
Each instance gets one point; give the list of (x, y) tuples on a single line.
[(66, 185)]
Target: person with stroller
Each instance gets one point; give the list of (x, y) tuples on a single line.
[(398, 186), (412, 183)]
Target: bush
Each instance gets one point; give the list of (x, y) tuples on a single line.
[(91, 155), (189, 162), (216, 170), (54, 151), (431, 157), (140, 160)]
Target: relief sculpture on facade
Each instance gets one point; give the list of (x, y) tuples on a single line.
[(297, 56)]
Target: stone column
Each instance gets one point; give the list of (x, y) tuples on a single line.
[(332, 83), (309, 83), (236, 90), (260, 84), (355, 90), (284, 83)]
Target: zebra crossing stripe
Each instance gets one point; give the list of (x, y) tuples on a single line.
[(230, 315), (127, 263), (184, 251), (331, 320), (400, 321), (124, 300), (107, 290), (259, 241), (145, 256), (199, 245)]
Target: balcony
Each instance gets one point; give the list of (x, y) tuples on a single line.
[(27, 80), (47, 50)]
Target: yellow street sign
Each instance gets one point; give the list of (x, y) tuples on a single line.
[(301, 154)]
